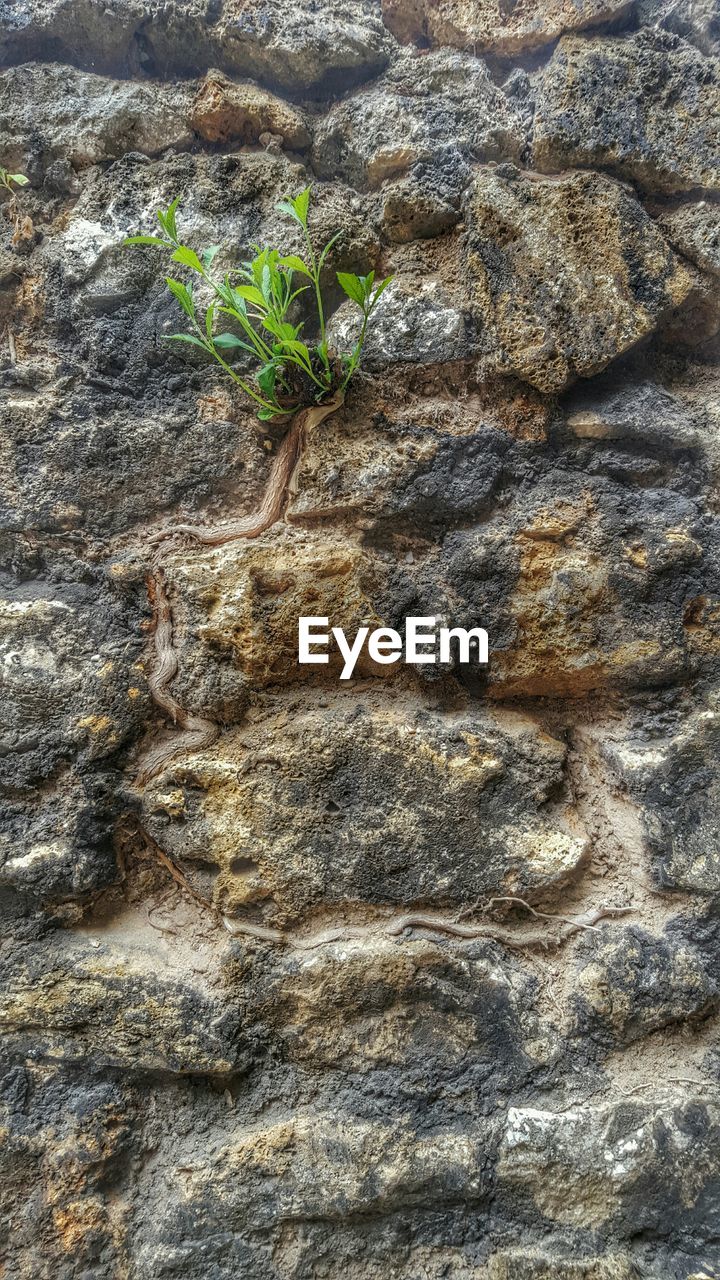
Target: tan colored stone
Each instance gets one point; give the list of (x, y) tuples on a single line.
[(586, 1165), (225, 111), (565, 274), (366, 800), (488, 26), (573, 603), (694, 230), (647, 108), (531, 1264), (116, 996), (249, 597)]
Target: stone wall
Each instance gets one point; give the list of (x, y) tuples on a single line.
[(412, 977)]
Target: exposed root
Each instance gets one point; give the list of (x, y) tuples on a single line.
[(399, 925), (279, 485), (199, 732), (259, 931), (438, 924)]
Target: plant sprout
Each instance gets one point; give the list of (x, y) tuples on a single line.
[(258, 297), (8, 182), (11, 180)]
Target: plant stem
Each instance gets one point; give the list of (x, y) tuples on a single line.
[(318, 299), (240, 382), (357, 352)]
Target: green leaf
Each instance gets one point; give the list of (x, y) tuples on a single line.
[(19, 179), (183, 295), (353, 286), (281, 329), (381, 289), (153, 240), (208, 256), (296, 264), (251, 294), (187, 258), (328, 247), (170, 218), (237, 303), (228, 341), (184, 337), (266, 378), (266, 415), (286, 206), (298, 349), (302, 205), (297, 207)]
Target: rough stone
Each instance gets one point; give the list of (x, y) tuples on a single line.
[(414, 210), (694, 231), (353, 819), (592, 595), (223, 111), (604, 410), (120, 1005), (419, 111), (599, 1164), (565, 274), (429, 463), (317, 51), (675, 778), (66, 1148), (226, 1050), (488, 27), (71, 689), (520, 1264), (413, 1004), (634, 984), (52, 112), (694, 20), (409, 325), (647, 108)]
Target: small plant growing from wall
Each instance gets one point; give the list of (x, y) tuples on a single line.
[(258, 298), (291, 376), (22, 225)]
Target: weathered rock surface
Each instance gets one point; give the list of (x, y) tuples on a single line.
[(637, 984), (489, 26), (420, 110), (120, 1006), (565, 274), (677, 783), (318, 51), (599, 1164), (414, 209), (52, 112), (411, 326), (414, 975), (606, 410), (695, 20), (694, 230), (224, 111), (646, 107), (381, 830)]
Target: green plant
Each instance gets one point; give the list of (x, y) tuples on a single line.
[(11, 180), (8, 182), (259, 296)]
